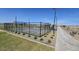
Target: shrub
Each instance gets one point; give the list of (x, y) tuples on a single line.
[(29, 35), (18, 32), (15, 32), (45, 36), (23, 33), (64, 26), (49, 41), (51, 37), (41, 39), (72, 33), (35, 37)]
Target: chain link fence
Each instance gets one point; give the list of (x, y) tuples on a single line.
[(31, 28)]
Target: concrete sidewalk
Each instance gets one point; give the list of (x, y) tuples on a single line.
[(65, 42)]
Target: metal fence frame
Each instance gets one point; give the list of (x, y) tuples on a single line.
[(14, 27)]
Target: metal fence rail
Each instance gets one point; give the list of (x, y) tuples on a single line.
[(31, 28)]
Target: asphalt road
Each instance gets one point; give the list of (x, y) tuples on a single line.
[(65, 42)]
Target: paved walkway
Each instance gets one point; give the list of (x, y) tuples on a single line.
[(65, 42)]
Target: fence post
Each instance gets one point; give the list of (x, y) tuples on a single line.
[(4, 27), (7, 26), (19, 28), (45, 28), (49, 28), (15, 26), (29, 28), (24, 28), (12, 27), (40, 28)]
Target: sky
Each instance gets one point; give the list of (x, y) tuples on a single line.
[(69, 16), (64, 15), (27, 14)]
